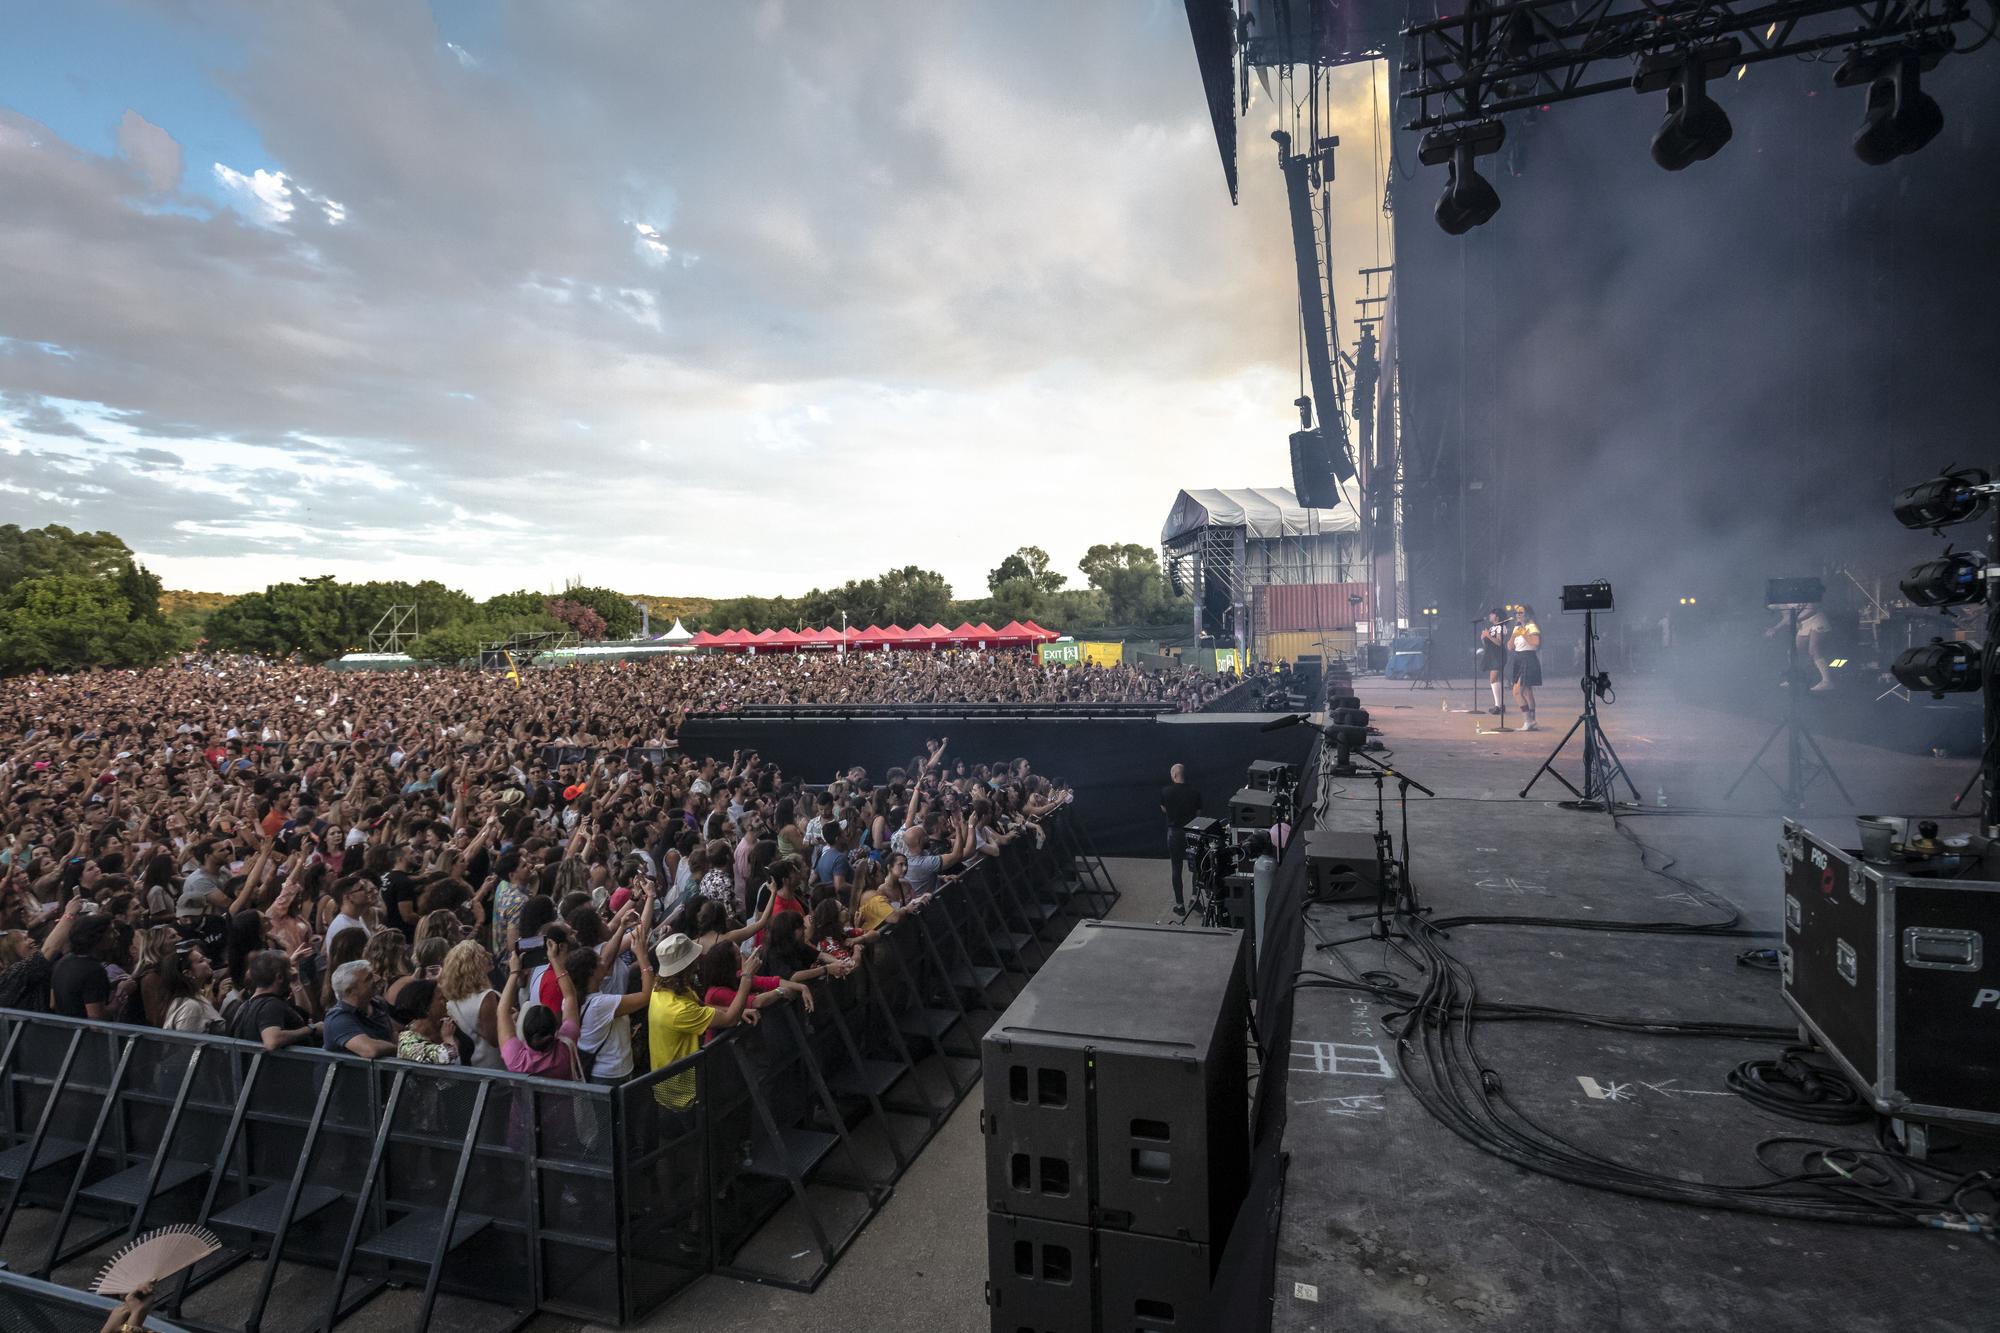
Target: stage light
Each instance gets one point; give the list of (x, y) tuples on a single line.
[(1695, 128), (1469, 199), (1940, 668), (1900, 116), (1949, 580), (1952, 498), (1346, 740), (1687, 601)]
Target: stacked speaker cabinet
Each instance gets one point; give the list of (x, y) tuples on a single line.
[(1117, 1131)]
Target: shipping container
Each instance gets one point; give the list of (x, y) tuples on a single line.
[(1288, 645), (1309, 606)]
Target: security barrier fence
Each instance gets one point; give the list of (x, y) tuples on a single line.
[(332, 1179)]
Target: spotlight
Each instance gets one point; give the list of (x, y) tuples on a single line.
[(1939, 667), (1695, 127), (1900, 116), (1951, 580), (1952, 498), (1346, 740), (1469, 199), (1687, 601)]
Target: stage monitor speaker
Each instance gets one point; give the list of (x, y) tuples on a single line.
[(1251, 808), (1117, 1085), (1272, 775), (1312, 471), (1307, 667), (1340, 865), (1055, 1277)]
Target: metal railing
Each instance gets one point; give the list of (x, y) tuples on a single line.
[(332, 1178)]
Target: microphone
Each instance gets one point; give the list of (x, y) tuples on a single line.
[(1279, 724)]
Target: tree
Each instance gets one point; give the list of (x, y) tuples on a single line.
[(452, 643), (1029, 564), (70, 622), (615, 609), (913, 596), (27, 553), (522, 603), (1128, 575), (583, 619), (140, 587)]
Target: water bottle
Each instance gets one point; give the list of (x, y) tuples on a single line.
[(1661, 802)]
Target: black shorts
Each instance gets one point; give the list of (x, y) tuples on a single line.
[(1491, 658), (1528, 668)]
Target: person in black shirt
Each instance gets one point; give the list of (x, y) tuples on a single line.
[(80, 985), (268, 1016), (399, 893), (1180, 802)]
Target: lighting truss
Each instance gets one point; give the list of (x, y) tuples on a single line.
[(1496, 58)]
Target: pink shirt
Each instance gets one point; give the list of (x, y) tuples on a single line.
[(552, 1063)]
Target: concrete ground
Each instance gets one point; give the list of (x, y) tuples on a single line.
[(920, 1265), (1392, 1224)]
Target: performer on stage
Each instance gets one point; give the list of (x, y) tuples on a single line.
[(1527, 645), (1814, 628), (1493, 652)]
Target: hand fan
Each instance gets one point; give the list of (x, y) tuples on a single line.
[(155, 1255)]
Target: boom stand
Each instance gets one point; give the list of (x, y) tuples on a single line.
[(1602, 768), (1805, 762), (1391, 874)]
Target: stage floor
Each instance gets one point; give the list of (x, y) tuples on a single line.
[(1393, 1223)]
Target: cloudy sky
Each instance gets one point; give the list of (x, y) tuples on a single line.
[(699, 299)]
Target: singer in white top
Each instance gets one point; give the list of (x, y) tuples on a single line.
[(1527, 646)]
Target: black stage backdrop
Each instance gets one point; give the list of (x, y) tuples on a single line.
[(1116, 765)]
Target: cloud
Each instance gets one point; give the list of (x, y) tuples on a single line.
[(263, 194), (949, 249), (268, 196), (152, 150)]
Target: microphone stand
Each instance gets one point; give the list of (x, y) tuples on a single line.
[(1385, 845)]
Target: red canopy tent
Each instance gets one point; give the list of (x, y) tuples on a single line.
[(875, 636), (1013, 632), (1038, 632), (784, 638), (704, 639)]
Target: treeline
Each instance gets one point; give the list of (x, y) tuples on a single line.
[(1123, 586), (71, 600), (322, 617)]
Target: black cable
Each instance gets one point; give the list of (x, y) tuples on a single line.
[(1793, 1086)]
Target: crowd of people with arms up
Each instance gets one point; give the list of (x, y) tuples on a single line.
[(451, 868)]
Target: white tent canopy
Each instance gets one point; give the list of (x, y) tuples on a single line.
[(1264, 512), (678, 634)]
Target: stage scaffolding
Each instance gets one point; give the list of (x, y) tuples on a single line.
[(1222, 545)]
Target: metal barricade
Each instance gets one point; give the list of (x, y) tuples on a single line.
[(332, 1179)]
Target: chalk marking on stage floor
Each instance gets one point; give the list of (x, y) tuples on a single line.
[(1614, 1091), (1340, 1057)]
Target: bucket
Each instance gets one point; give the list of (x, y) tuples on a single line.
[(1879, 833)]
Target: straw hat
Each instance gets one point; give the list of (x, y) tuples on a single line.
[(675, 953)]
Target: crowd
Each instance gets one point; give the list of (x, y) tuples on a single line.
[(384, 864), (721, 681)]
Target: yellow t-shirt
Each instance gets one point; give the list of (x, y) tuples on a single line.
[(873, 911), (675, 1021)]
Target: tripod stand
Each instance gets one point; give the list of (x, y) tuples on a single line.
[(1805, 762), (1602, 768), (1428, 678)]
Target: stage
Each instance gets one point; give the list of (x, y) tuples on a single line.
[(1391, 1222)]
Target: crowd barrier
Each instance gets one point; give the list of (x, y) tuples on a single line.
[(332, 1178)]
